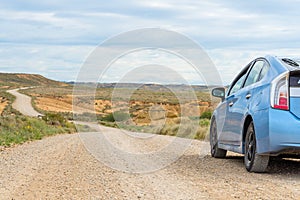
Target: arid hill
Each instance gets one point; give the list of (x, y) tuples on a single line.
[(16, 80)]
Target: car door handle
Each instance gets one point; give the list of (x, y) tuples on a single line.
[(230, 104), (248, 96)]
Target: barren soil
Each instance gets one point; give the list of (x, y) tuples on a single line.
[(3, 104), (60, 167)]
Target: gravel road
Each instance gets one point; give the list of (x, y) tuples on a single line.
[(23, 104), (60, 167), (65, 167)]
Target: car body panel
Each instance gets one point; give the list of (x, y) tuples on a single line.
[(284, 135), (294, 106)]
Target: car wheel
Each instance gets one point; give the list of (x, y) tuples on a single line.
[(253, 161), (216, 152)]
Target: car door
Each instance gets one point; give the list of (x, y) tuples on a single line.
[(239, 103), (225, 135), (232, 101)]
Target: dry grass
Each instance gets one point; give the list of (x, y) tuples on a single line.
[(155, 111), (53, 104), (3, 104)]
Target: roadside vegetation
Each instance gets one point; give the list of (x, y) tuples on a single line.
[(186, 127), (110, 105), (17, 129)]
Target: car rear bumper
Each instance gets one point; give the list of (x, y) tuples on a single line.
[(284, 133)]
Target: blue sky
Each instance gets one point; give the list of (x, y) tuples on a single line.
[(54, 37)]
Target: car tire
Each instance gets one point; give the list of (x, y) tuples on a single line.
[(253, 161), (215, 151)]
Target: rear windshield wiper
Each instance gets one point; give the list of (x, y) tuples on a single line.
[(290, 62)]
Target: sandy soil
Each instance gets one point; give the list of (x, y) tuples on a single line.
[(54, 105), (3, 104)]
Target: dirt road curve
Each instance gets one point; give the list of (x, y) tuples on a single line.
[(23, 104), (61, 167)]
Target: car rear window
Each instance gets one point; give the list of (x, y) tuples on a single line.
[(291, 62), (295, 79)]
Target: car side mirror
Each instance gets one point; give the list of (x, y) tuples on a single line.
[(219, 92)]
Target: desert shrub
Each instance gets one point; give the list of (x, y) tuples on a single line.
[(19, 129), (108, 118), (67, 115), (55, 119), (117, 116), (58, 120), (204, 122), (109, 124), (86, 117), (206, 115), (201, 133), (166, 130), (121, 116), (180, 130)]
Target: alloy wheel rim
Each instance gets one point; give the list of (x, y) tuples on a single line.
[(250, 147)]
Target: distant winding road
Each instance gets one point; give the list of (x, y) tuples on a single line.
[(23, 103)]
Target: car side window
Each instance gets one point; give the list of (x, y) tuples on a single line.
[(255, 73), (263, 71), (237, 85)]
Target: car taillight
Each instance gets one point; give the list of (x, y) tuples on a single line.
[(280, 92)]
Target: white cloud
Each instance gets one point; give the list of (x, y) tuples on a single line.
[(148, 65), (57, 62), (54, 37), (43, 17)]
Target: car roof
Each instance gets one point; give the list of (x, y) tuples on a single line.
[(286, 63)]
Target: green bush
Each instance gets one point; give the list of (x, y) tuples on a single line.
[(108, 118), (206, 115), (86, 117), (117, 116), (204, 122), (121, 116), (19, 129), (55, 119)]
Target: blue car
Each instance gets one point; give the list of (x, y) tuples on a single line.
[(259, 115)]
